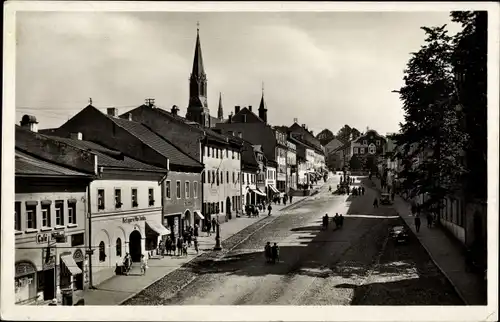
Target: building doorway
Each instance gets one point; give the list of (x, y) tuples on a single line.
[(228, 205), (134, 244), (49, 283)]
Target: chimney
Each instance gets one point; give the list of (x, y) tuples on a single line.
[(250, 107), (129, 116), (295, 120), (29, 122), (174, 110), (230, 117), (76, 136), (112, 111), (304, 126), (236, 109)]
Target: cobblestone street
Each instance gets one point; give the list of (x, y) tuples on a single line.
[(354, 265)]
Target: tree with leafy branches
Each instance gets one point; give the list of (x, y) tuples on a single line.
[(431, 136)]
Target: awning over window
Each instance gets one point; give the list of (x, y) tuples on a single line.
[(273, 188), (159, 228), (257, 191), (71, 264), (197, 213)]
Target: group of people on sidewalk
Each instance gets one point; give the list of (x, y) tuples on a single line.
[(272, 253), (337, 219)]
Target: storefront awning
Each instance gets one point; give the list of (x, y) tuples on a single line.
[(260, 193), (71, 264), (273, 188), (159, 228), (197, 213)]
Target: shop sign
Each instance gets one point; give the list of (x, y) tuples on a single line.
[(128, 220), (43, 238)]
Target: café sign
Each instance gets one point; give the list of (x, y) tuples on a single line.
[(43, 238), (128, 220)]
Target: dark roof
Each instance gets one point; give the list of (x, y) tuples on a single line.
[(107, 157), (157, 142), (27, 165), (251, 117)]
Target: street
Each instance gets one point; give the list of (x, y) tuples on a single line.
[(354, 265)]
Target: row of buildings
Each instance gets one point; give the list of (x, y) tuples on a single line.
[(106, 184)]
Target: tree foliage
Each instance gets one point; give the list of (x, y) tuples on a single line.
[(432, 136), (325, 137), (346, 133), (355, 163)]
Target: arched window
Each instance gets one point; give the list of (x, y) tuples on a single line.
[(102, 252), (119, 247)]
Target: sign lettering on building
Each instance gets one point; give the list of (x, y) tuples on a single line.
[(128, 220), (43, 238)]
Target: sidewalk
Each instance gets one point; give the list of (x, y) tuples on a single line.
[(446, 253), (118, 289)]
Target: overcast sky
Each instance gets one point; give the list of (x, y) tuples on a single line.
[(326, 69)]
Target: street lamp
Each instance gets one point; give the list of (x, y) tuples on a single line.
[(218, 245)]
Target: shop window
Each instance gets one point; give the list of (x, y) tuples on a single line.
[(186, 189), (59, 207), (167, 189), (119, 247), (118, 198), (195, 189), (178, 189), (17, 215), (151, 196), (102, 252), (77, 239), (135, 201), (45, 215), (30, 216), (71, 212), (100, 199)]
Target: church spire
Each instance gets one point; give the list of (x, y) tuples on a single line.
[(220, 111), (197, 110), (263, 106)]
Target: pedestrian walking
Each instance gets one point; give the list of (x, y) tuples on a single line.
[(417, 222), (269, 208), (429, 220), (275, 251), (180, 242), (184, 249), (341, 220), (195, 242), (144, 265), (267, 252), (291, 198), (214, 223), (209, 226), (195, 230), (336, 220), (326, 221), (375, 203)]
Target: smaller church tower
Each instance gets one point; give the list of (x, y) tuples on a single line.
[(263, 107), (220, 111)]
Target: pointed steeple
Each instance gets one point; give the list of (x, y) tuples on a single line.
[(197, 110), (263, 106), (220, 111), (198, 68)]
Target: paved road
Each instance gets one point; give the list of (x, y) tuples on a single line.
[(354, 265)]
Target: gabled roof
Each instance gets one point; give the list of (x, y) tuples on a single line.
[(248, 156), (30, 166), (107, 157), (251, 117), (157, 142)]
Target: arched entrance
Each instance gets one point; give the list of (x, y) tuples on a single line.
[(228, 205), (134, 245)]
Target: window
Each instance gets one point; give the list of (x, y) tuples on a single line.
[(232, 154), (186, 189), (119, 247), (213, 176), (234, 177), (195, 189), (222, 177), (227, 153), (178, 190), (100, 199), (227, 176), (77, 239), (59, 212), (217, 153), (71, 212), (361, 150), (222, 206), (248, 176), (355, 151), (167, 189), (203, 177), (31, 216), (135, 201), (17, 215), (118, 198), (102, 252), (151, 196), (378, 142), (208, 151)]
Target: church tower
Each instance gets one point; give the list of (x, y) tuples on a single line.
[(197, 110), (263, 107), (220, 111)]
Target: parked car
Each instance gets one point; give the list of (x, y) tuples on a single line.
[(399, 234), (385, 199)]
